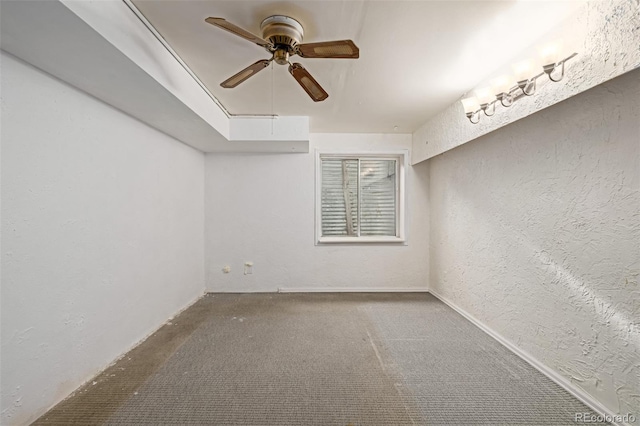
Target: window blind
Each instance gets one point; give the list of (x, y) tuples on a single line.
[(378, 197), (358, 197)]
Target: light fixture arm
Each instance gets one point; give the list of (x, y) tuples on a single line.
[(528, 87), (489, 109), (551, 68), (508, 96), (506, 99), (474, 117)]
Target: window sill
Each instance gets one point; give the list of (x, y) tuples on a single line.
[(360, 240)]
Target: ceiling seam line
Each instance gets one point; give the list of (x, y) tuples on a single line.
[(166, 45)]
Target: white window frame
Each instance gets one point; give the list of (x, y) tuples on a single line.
[(401, 157)]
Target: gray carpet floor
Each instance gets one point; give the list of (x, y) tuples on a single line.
[(319, 359)]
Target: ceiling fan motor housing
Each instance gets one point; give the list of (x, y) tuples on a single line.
[(285, 33)]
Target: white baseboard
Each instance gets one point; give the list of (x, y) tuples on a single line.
[(351, 290), (553, 375)]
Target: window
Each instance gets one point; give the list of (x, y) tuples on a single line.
[(359, 198)]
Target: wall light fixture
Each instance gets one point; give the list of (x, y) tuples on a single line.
[(508, 88)]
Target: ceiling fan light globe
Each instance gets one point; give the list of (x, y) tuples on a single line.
[(281, 56)]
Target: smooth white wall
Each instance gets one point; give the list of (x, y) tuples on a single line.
[(260, 208), (536, 233), (102, 236)]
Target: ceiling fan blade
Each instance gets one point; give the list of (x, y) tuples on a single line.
[(234, 29), (245, 74), (329, 49), (308, 83)]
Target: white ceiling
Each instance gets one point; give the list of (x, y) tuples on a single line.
[(416, 57)]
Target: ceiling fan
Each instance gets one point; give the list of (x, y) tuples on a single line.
[(282, 37)]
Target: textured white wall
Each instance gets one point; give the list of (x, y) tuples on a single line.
[(102, 221), (607, 35), (536, 233), (261, 208)]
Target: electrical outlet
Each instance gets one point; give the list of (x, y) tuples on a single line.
[(248, 268)]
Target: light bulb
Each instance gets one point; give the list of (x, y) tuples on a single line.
[(523, 70), (550, 53), (470, 105), (485, 96), (502, 84)]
